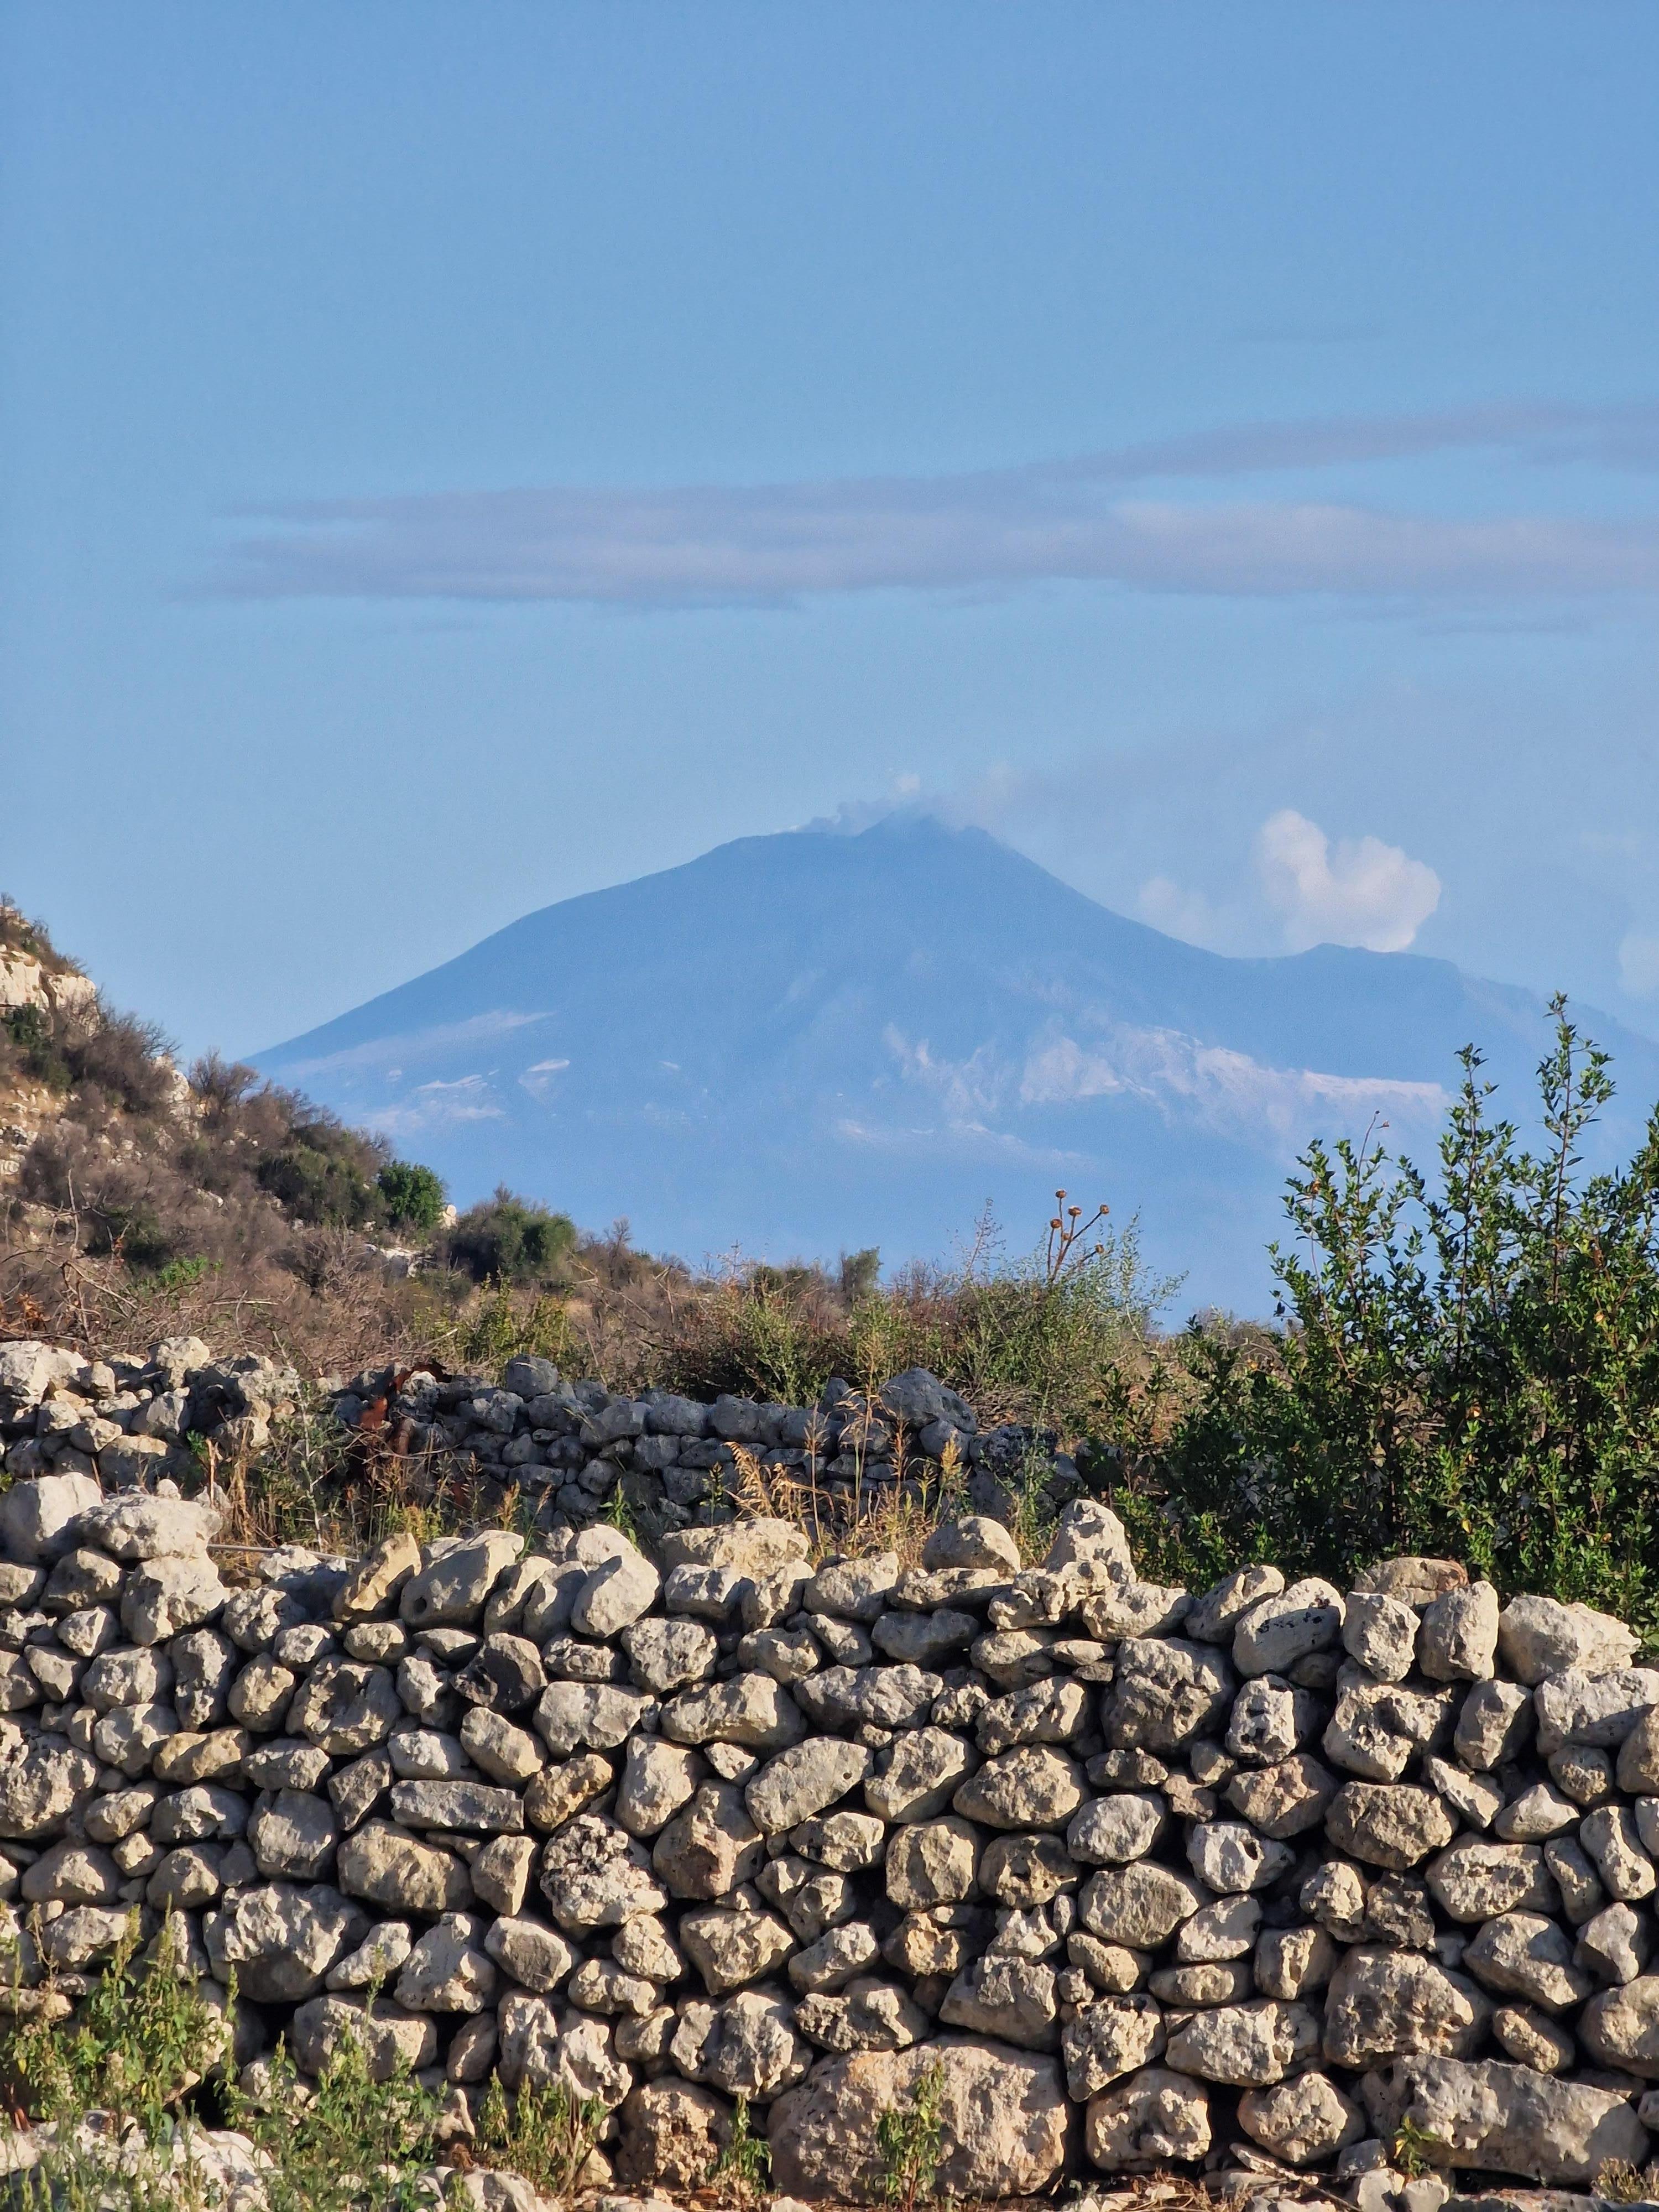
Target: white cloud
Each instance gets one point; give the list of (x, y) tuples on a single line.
[(1359, 892), (1638, 964), (1306, 891)]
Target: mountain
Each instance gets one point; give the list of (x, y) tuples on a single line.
[(810, 1041)]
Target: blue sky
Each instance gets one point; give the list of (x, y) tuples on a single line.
[(459, 457)]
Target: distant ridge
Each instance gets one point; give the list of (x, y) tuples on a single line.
[(812, 1041)]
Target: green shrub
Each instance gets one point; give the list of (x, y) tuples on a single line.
[(29, 1030), (1465, 1364), (413, 1197), (508, 1239)]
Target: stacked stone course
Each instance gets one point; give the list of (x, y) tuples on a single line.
[(1248, 1880), (570, 1445)]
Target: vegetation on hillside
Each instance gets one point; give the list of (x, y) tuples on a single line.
[(1466, 1362), (1463, 1359)]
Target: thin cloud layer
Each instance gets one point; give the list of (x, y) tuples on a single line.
[(719, 546)]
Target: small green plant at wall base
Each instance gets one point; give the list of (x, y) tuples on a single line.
[(357, 2144), (908, 2137), (746, 2161), (1414, 2151), (142, 2037), (543, 2133)]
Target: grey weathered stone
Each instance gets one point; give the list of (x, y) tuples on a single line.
[(1385, 2003), (1002, 2133), (1522, 1954), (37, 1512), (1165, 1693), (446, 1972), (1303, 2121), (1054, 1711), (923, 1640), (847, 1697), (389, 2038), (294, 1837), (280, 1941), (1111, 2039), (1112, 1831), (921, 1774), (1225, 1929), (378, 1957), (1610, 1838), (665, 1655), (803, 1780), (590, 1716), (1286, 1800), (617, 1594), (1293, 1962), (1613, 1944), (1620, 2027), (1540, 1636), (536, 1956), (594, 1874), (1493, 1724), (710, 1846), (656, 1779), (974, 1542), (1380, 1634), (166, 1595), (1230, 1857), (672, 2134), (1508, 2117), (1035, 1786), (505, 1751), (1153, 2118), (1004, 1996), (389, 1867), (344, 1707), (454, 1587), (1458, 1642), (852, 1590), (1474, 1879), (750, 1710), (1140, 1906), (1594, 1708), (1390, 1824), (140, 1526), (1279, 1630), (1247, 2046), (729, 1948)]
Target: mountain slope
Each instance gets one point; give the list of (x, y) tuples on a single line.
[(811, 1041)]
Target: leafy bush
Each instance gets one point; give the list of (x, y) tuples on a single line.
[(142, 2037), (1465, 1364), (34, 1048), (413, 1197), (508, 1239)]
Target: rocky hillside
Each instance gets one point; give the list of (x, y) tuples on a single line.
[(125, 1180)]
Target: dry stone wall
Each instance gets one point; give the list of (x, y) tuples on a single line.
[(570, 1446), (1249, 1879)]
